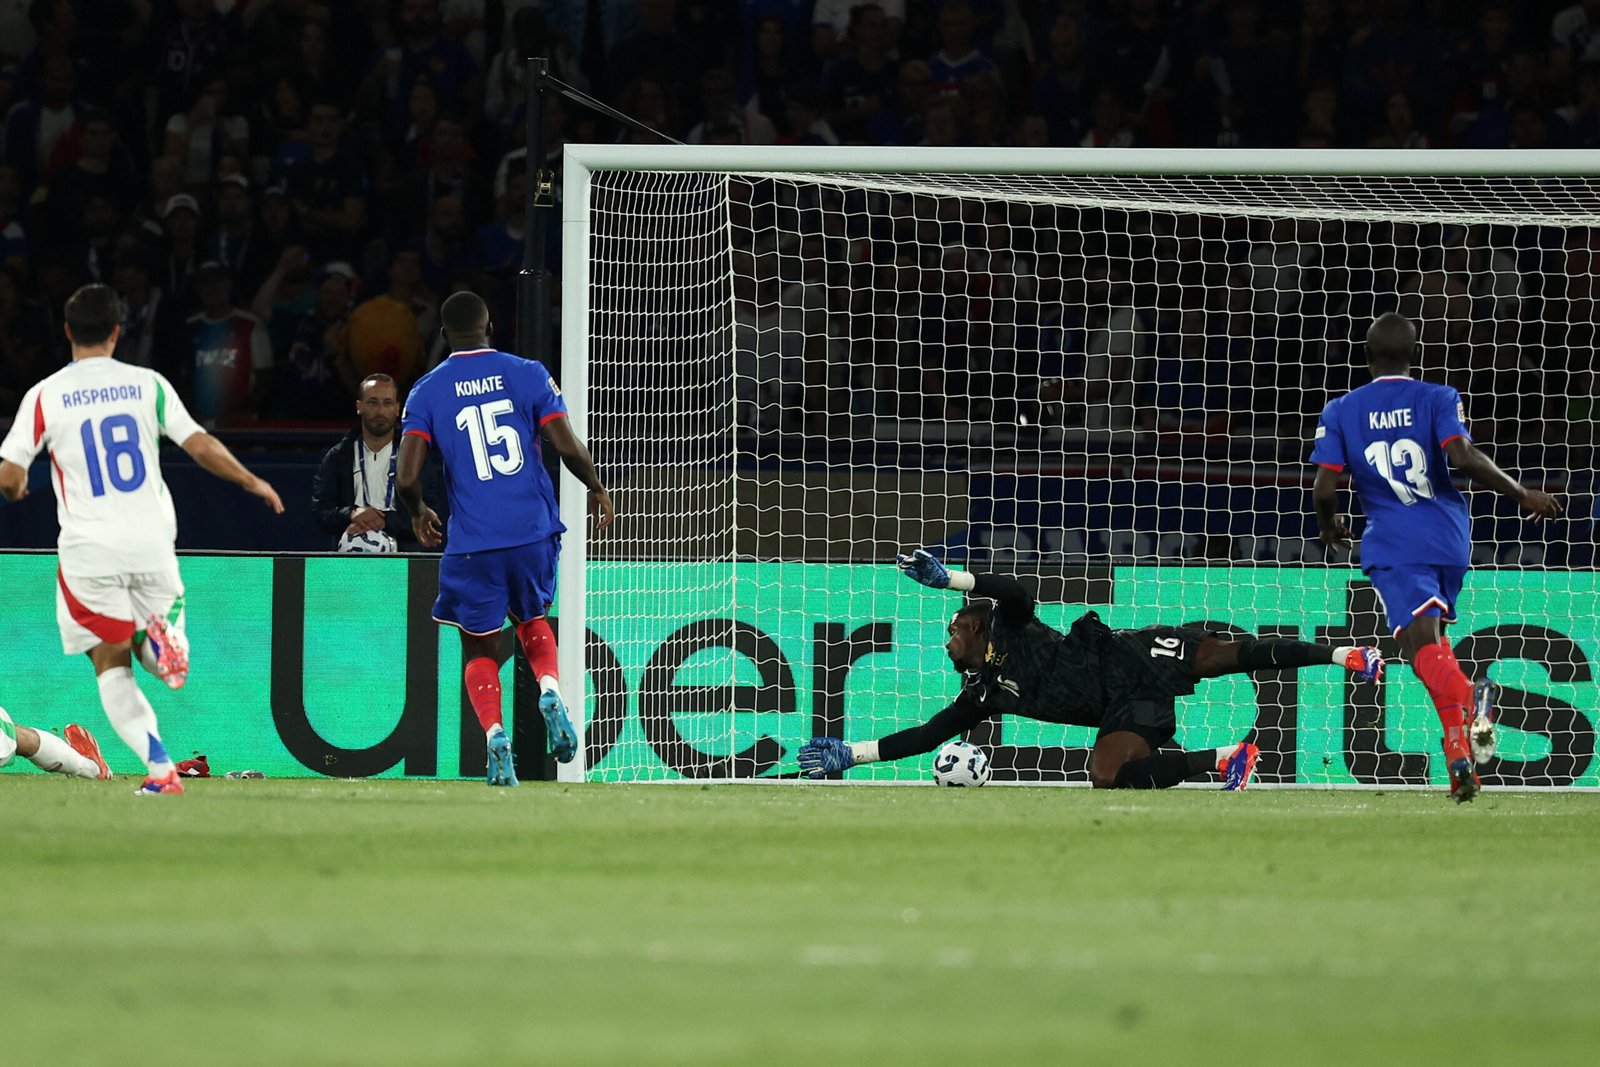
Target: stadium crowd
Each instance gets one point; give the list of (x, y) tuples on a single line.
[(283, 191)]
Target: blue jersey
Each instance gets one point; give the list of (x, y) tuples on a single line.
[(482, 410), (1390, 435)]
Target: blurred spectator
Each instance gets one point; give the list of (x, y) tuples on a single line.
[(16, 31), (329, 187), (1136, 62), (958, 61), (498, 244), (657, 52), (833, 24), (205, 132), (720, 110), (1110, 127), (443, 245), (505, 95), (181, 249), (1391, 55), (1322, 39), (861, 82), (1400, 128), (311, 380), (1575, 35), (445, 174), (101, 167), (804, 122), (770, 68), (1320, 119), (353, 491), (21, 357), (420, 50), (1063, 80), (902, 122), (647, 101), (233, 241), (1582, 117), (34, 126), (285, 297), (152, 328), (1247, 71), (229, 364), (384, 335), (281, 122), (191, 48), (13, 224), (1493, 125)]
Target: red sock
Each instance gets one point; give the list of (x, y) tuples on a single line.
[(483, 689), (539, 645), (1436, 665)]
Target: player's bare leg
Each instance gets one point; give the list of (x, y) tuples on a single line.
[(482, 675), (1434, 662), (132, 716)]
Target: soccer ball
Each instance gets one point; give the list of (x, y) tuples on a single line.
[(368, 543), (961, 763)]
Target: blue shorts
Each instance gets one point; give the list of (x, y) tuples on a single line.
[(1417, 589), (478, 591)]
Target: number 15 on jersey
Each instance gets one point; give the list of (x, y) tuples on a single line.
[(481, 422)]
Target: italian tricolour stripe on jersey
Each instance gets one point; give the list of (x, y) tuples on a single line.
[(100, 421)]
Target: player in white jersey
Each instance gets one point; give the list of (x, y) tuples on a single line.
[(117, 586)]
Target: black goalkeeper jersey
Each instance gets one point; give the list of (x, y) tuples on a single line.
[(1030, 670)]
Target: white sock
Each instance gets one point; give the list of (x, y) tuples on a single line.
[(548, 684), (1342, 653), (147, 652), (497, 728), (58, 757), (134, 719), (1226, 751)]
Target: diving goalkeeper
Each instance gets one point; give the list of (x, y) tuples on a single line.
[(1123, 682)]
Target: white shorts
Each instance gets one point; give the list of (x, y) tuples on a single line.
[(113, 608), (8, 738)]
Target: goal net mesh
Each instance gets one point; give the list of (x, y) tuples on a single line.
[(1106, 386)]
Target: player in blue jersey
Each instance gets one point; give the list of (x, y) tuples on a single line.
[(1399, 438), (484, 411)]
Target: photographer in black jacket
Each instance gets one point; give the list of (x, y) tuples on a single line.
[(353, 496)]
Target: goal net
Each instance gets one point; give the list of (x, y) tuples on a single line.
[(1099, 371)]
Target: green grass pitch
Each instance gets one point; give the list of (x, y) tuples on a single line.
[(326, 922)]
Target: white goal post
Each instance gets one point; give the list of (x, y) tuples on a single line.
[(1096, 369)]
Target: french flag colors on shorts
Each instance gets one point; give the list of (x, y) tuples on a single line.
[(1417, 589), (478, 591)]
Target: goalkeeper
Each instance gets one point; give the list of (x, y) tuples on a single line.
[(1123, 682)]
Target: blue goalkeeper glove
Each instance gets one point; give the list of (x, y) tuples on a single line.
[(924, 567), (822, 756)]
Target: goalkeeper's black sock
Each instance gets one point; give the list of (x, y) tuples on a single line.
[(1164, 769), (1273, 653)]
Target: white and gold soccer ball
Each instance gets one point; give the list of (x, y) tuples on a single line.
[(961, 763), (368, 543)]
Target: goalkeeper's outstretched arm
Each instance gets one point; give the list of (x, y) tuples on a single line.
[(822, 756), (1016, 603)]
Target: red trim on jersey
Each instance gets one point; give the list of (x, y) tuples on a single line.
[(102, 626), (420, 433), (61, 480), (1335, 467), (553, 415), (473, 351), (38, 419), (1452, 437)]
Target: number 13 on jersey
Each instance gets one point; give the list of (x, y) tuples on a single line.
[(481, 422), (1406, 457)]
